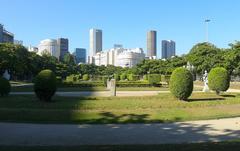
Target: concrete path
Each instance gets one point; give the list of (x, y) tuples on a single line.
[(98, 93), (70, 135)]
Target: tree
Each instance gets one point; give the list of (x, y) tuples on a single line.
[(69, 59), (205, 56)]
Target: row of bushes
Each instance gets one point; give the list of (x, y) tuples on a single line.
[(75, 78), (104, 84), (181, 82), (153, 79)]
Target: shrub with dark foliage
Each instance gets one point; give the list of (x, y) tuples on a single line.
[(218, 79), (181, 83), (5, 87), (154, 79), (45, 85)]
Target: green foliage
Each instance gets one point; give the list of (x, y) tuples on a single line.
[(132, 77), (123, 76), (205, 56), (181, 83), (5, 87), (68, 59), (73, 78), (116, 77), (134, 84), (83, 84), (165, 78), (154, 79), (105, 79), (218, 79), (145, 77), (86, 77), (45, 85)]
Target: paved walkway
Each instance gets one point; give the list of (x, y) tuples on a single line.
[(181, 132), (99, 93)]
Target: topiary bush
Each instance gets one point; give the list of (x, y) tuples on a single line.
[(85, 77), (132, 77), (123, 76), (218, 79), (181, 83), (154, 79), (45, 85), (5, 87), (145, 77)]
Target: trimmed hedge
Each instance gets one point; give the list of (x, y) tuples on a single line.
[(45, 85), (123, 76), (73, 78), (105, 79), (165, 78), (86, 77), (5, 87), (181, 83), (145, 77), (83, 84), (132, 77), (218, 79), (154, 79)]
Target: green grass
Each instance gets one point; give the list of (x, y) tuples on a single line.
[(222, 146), (161, 108)]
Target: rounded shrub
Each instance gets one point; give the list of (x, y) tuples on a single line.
[(123, 76), (45, 85), (5, 87), (181, 83), (85, 77), (218, 79)]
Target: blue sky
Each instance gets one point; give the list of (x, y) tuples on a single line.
[(123, 21)]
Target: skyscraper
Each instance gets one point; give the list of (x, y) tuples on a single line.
[(152, 43), (63, 47), (80, 55), (168, 49), (95, 43), (5, 36)]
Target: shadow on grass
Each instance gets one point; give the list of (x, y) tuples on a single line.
[(228, 96), (206, 99)]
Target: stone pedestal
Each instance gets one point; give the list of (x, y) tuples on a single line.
[(112, 85), (205, 88)]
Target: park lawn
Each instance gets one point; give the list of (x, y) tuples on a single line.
[(100, 110), (220, 146)]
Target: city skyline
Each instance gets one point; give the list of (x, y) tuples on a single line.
[(183, 23)]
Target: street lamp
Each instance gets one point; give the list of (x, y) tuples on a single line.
[(207, 22)]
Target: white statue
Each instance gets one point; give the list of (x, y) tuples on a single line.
[(6, 75), (205, 80)]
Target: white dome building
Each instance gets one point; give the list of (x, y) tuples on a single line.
[(49, 46), (119, 57)]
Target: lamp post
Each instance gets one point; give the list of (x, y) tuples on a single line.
[(207, 22)]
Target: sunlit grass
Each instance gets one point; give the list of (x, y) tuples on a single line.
[(161, 108)]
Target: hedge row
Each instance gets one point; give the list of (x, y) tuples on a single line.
[(103, 84)]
